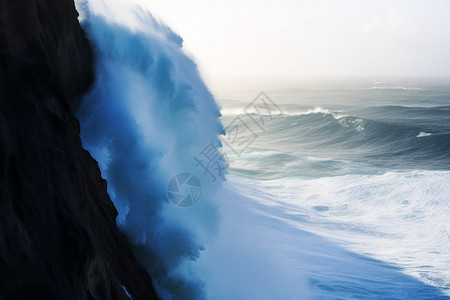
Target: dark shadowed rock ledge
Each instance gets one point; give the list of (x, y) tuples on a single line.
[(58, 236)]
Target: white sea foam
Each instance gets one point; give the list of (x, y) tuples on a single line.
[(317, 110), (357, 123), (265, 249), (396, 88), (423, 134), (314, 158), (400, 218)]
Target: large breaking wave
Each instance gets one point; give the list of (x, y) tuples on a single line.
[(147, 116)]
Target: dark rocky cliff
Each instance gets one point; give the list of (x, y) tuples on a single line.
[(58, 236)]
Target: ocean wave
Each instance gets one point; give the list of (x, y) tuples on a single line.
[(358, 212)]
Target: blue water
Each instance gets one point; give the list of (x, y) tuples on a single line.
[(364, 164), (348, 183), (343, 194), (349, 128)]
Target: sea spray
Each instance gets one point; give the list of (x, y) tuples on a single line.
[(147, 117)]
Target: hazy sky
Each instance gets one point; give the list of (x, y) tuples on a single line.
[(242, 40)]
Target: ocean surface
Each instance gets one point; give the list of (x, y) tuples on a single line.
[(363, 164), (334, 190)]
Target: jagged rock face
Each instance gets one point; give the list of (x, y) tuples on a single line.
[(58, 236)]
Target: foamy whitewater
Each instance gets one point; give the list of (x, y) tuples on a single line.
[(343, 195)]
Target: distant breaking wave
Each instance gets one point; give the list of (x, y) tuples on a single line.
[(316, 110), (396, 88)]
